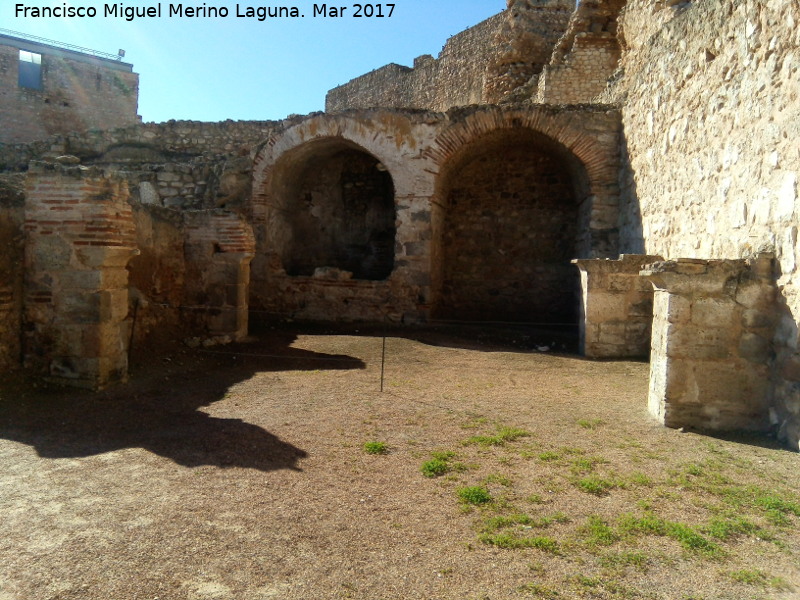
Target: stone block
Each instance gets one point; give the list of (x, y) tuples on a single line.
[(702, 343), (87, 280), (755, 348), (754, 295), (621, 282), (641, 308), (791, 368), (714, 312), (604, 307), (51, 253), (675, 308), (755, 318), (421, 248)]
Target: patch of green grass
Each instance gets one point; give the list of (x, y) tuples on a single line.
[(587, 582), (498, 479), (598, 533), (686, 536), (376, 448), (475, 495), (640, 479), (440, 464), (520, 519), (590, 423), (586, 464), (638, 560), (443, 455), (504, 435), (725, 528), (512, 541), (434, 467), (750, 577), (756, 577), (771, 502), (549, 456), (540, 591), (535, 499), (597, 486)]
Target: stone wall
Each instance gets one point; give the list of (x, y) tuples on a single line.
[(12, 217), (616, 307), (584, 73), (447, 192), (509, 232), (155, 143), (584, 58), (482, 64), (77, 92), (457, 77), (710, 122), (711, 344)]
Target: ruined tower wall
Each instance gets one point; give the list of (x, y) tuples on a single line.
[(480, 65), (69, 92), (711, 129), (455, 78)]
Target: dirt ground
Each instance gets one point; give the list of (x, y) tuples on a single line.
[(240, 472)]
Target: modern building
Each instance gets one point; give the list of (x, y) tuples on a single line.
[(49, 88)]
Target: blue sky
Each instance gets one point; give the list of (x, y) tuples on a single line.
[(212, 69)]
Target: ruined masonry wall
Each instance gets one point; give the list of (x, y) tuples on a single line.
[(711, 130), (455, 78), (584, 75), (75, 96), (158, 142), (12, 216), (481, 65)]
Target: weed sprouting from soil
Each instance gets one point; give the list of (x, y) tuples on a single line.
[(376, 447)]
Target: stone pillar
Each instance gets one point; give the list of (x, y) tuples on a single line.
[(616, 307), (79, 239), (219, 248), (711, 344)]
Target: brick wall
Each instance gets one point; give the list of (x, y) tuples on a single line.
[(79, 239), (509, 232), (74, 96)]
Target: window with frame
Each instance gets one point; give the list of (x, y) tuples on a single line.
[(30, 70)]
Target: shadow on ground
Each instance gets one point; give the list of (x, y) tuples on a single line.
[(159, 409), (477, 335)]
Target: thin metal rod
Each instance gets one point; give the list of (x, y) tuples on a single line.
[(133, 326), (383, 358)]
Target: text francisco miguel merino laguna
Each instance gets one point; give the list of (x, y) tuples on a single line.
[(129, 13)]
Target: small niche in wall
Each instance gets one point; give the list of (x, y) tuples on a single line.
[(338, 212)]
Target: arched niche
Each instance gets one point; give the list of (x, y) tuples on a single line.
[(332, 207), (511, 208)]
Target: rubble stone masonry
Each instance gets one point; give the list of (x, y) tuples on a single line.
[(478, 66), (710, 102)]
